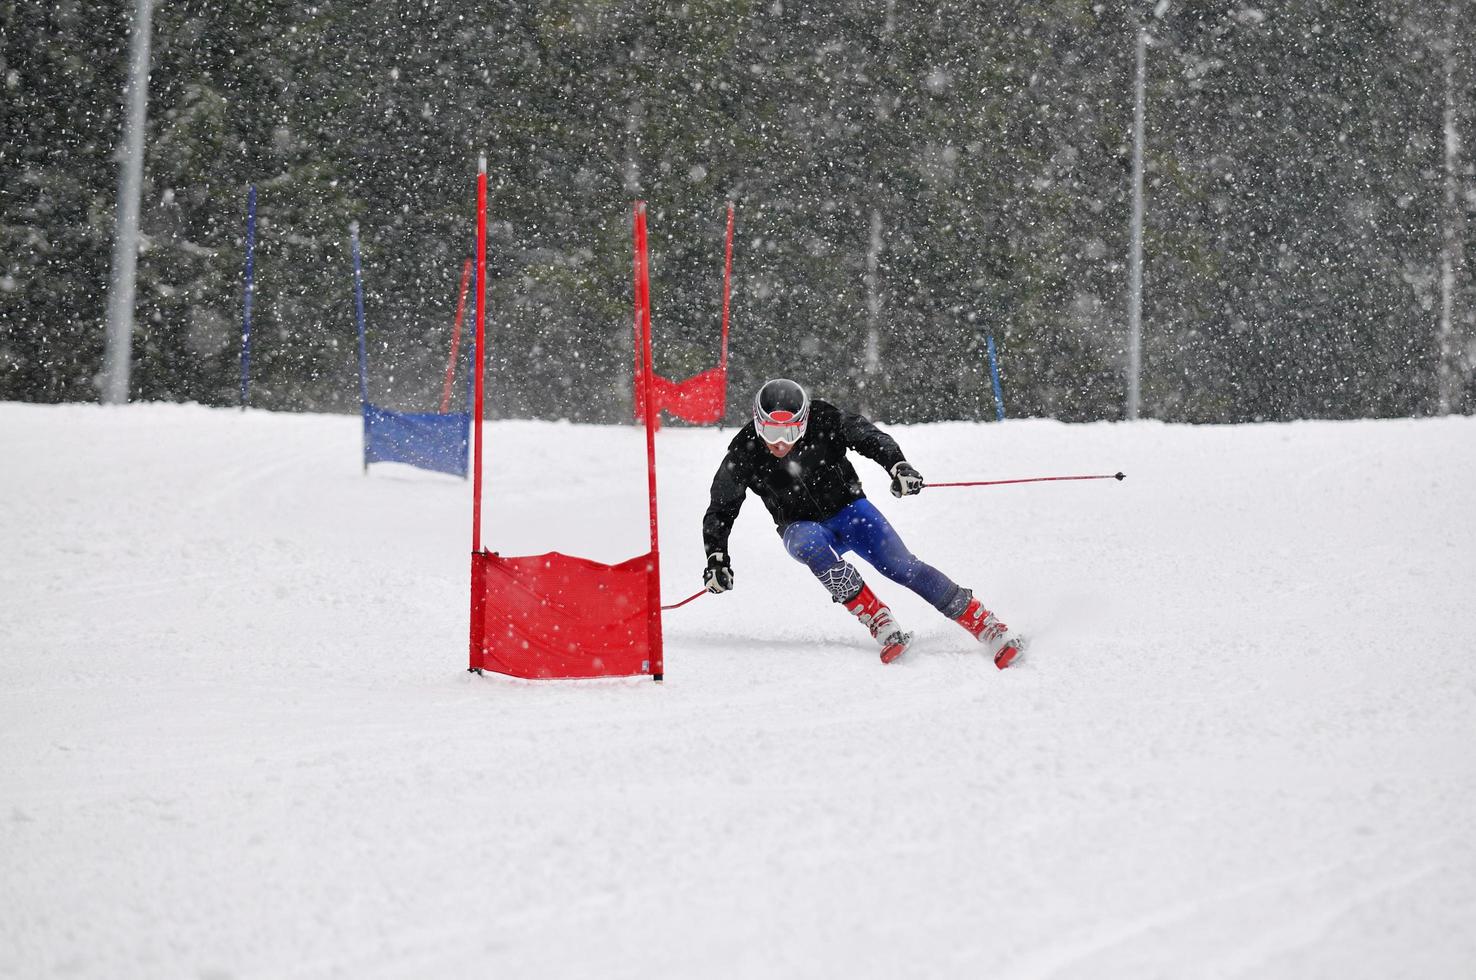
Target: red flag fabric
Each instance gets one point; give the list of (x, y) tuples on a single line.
[(555, 615), (701, 399)]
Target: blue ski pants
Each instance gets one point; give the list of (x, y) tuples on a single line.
[(860, 528)]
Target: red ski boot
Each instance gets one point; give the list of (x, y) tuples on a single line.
[(995, 636), (878, 618)]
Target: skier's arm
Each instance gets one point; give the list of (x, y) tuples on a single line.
[(870, 441), (728, 489), (875, 444)]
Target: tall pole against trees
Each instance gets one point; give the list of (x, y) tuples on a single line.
[(871, 358), (635, 122), (1452, 367), (119, 356), (871, 362), (1135, 258)]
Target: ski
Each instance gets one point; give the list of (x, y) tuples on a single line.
[(894, 646), (1010, 652)]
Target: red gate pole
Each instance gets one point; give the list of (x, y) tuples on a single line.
[(478, 566), (455, 336), (727, 291), (638, 388), (481, 357), (643, 321)]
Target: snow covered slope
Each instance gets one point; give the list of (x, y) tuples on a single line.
[(237, 738)]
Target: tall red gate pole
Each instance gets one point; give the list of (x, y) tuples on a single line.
[(643, 324), (455, 336), (640, 394), (481, 357), (478, 569), (727, 291)]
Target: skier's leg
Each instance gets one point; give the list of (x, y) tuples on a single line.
[(813, 544), (861, 528), (988, 629), (816, 545), (865, 531)]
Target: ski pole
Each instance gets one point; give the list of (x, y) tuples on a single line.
[(1033, 479), (695, 595)]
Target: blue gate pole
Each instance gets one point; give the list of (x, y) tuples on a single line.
[(250, 295), (359, 318), (363, 344), (471, 387), (994, 379)]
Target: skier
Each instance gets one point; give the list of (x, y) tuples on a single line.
[(793, 456)]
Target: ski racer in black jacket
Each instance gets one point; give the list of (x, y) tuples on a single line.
[(793, 457)]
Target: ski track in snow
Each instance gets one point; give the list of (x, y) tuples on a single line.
[(237, 738)]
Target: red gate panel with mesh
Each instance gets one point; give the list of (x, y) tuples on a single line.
[(701, 399), (556, 615)]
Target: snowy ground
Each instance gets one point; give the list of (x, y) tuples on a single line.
[(237, 738)]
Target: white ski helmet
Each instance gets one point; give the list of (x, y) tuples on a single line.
[(781, 411)]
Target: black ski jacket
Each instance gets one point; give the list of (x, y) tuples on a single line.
[(812, 483)]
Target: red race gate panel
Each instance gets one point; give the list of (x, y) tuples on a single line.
[(700, 400), (557, 616)]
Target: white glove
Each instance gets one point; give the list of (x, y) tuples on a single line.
[(718, 576), (906, 481)]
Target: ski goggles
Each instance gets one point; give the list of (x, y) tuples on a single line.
[(783, 428)]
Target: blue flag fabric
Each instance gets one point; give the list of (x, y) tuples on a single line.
[(429, 440)]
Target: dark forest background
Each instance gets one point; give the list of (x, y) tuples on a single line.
[(909, 178)]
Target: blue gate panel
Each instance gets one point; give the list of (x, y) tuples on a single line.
[(428, 440)]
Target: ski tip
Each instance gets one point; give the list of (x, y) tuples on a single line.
[(893, 650)]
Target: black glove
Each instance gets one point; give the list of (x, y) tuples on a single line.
[(719, 574), (906, 481)]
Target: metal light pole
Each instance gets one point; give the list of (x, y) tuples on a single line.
[(119, 355), (1453, 366), (1135, 258)]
